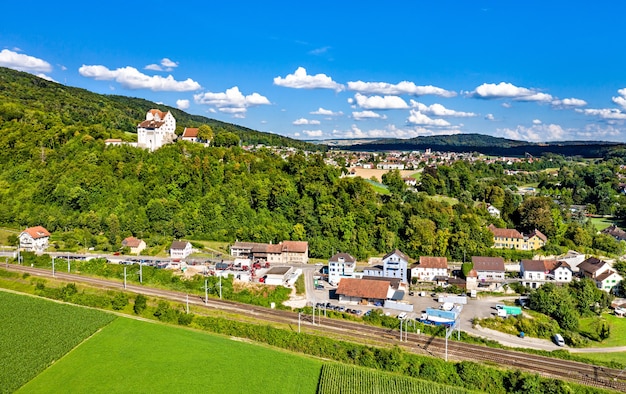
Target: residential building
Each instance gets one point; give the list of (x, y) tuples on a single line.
[(364, 291), (285, 252), (600, 272), (341, 265), (113, 141), (507, 238), (158, 129), (136, 245), (615, 232), (430, 269), (390, 166), (573, 259), (190, 134), (180, 249), (493, 211), (489, 269), (535, 273), (34, 239), (395, 265)]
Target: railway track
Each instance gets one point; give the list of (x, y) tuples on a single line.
[(582, 373)]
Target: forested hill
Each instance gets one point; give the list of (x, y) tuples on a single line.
[(490, 146), (23, 94)]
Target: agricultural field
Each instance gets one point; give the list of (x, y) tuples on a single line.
[(378, 187), (346, 379), (368, 173), (601, 223), (618, 327), (137, 356), (35, 333)]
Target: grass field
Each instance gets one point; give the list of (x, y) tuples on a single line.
[(368, 173), (618, 330), (136, 356), (378, 187), (601, 223), (618, 357), (4, 235), (35, 332)]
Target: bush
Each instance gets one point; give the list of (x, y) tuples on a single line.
[(141, 302)]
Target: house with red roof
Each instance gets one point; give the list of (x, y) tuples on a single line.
[(190, 134), (430, 269), (535, 273), (136, 245), (510, 238), (34, 239)]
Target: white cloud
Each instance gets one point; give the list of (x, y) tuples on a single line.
[(303, 121), (403, 87), (569, 103), (440, 110), (621, 99), (182, 104), (536, 121), (508, 90), (604, 113), (490, 117), (507, 105), (367, 115), (326, 112), (313, 133), (595, 132), (319, 51), (21, 62), (232, 101), (535, 133), (166, 65), (380, 102), (418, 118), (131, 78), (301, 80), (391, 131)]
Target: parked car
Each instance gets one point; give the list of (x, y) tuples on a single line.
[(558, 339), (319, 287), (402, 315)]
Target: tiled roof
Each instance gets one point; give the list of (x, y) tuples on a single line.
[(534, 265), (484, 263), (591, 265), (131, 242), (178, 245), (538, 234), (505, 232), (433, 262), (190, 132), (604, 275), (37, 232), (363, 288), (151, 124), (295, 246)]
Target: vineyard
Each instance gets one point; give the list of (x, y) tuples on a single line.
[(346, 379), (35, 333)]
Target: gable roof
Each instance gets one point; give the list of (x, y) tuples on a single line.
[(37, 232), (190, 132), (533, 265), (433, 262), (539, 234), (484, 263), (363, 288), (505, 232), (342, 256), (295, 246), (131, 242), (591, 265), (605, 275), (553, 265), (615, 232), (397, 252), (151, 124), (179, 245)]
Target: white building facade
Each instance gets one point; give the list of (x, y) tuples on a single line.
[(158, 129), (340, 266)]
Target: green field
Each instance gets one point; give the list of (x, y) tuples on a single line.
[(601, 223), (137, 356), (618, 328), (347, 379), (35, 332), (378, 187)]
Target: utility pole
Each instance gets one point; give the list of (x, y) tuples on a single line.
[(298, 322), (206, 291), (187, 303), (124, 277), (52, 266), (220, 287), (140, 272), (68, 266)]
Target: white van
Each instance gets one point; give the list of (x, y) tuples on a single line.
[(402, 315), (558, 339)]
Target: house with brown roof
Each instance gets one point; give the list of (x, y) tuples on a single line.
[(180, 249), (190, 134), (364, 291), (534, 273), (430, 269), (340, 266), (489, 269), (600, 272), (509, 238), (34, 239), (285, 252), (158, 129), (615, 232), (136, 245)]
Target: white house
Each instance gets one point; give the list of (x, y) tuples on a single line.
[(534, 273), (34, 239), (395, 265), (190, 134), (158, 129), (493, 211), (136, 245), (341, 265), (489, 269), (601, 272), (180, 249), (430, 268)]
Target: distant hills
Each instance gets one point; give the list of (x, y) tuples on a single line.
[(484, 144), (21, 92)]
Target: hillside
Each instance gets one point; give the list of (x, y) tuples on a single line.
[(488, 145), (118, 115)]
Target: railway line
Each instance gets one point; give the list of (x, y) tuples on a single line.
[(578, 372)]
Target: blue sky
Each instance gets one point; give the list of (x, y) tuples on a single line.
[(337, 69)]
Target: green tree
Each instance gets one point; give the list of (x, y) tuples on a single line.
[(119, 302), (141, 303), (205, 133), (536, 213)]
